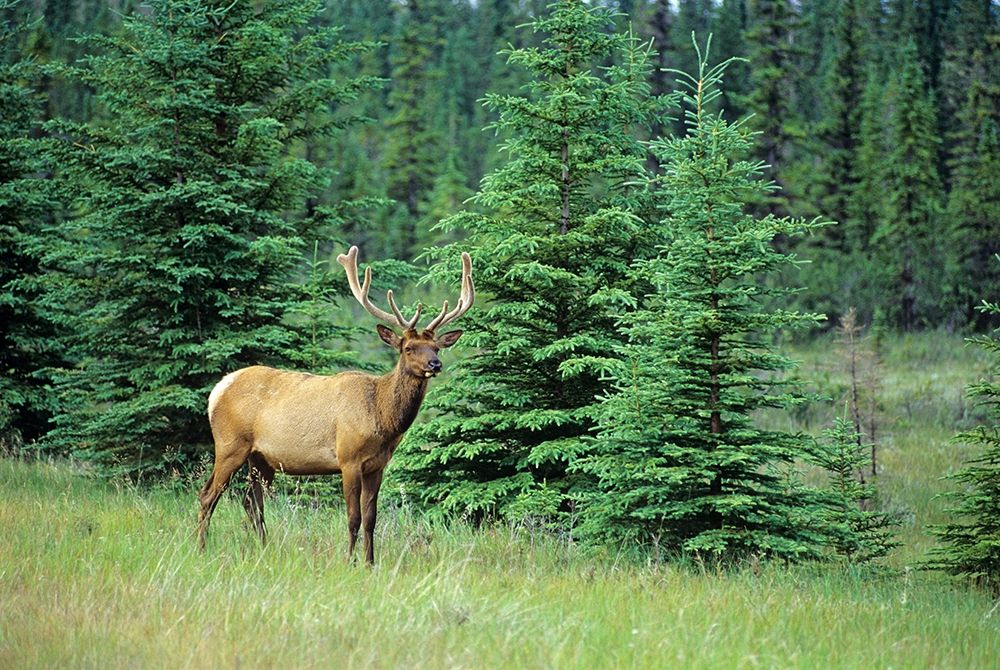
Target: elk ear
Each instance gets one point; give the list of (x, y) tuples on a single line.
[(449, 338), (389, 337)]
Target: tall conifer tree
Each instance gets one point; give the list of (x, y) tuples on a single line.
[(971, 92), (557, 232), (677, 457), (415, 145), (27, 339), (867, 201), (693, 16), (180, 264), (910, 226), (971, 46), (771, 51), (729, 37), (838, 265), (661, 26), (841, 125), (974, 202), (816, 25)]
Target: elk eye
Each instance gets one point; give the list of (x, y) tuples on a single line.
[(408, 350)]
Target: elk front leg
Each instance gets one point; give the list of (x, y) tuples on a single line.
[(370, 485), (352, 496)]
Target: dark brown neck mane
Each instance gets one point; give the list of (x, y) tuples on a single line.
[(398, 395)]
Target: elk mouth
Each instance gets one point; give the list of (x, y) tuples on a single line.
[(428, 374)]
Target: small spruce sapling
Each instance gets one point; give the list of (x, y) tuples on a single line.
[(861, 360), (970, 541), (858, 531)]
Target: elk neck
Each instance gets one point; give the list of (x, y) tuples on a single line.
[(398, 398)]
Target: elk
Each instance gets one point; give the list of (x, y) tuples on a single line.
[(349, 423)]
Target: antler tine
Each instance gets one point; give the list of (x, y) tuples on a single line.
[(350, 263), (403, 323), (467, 297), (439, 319)]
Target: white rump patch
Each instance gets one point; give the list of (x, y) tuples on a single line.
[(219, 389)]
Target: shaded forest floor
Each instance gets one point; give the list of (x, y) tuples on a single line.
[(93, 575)]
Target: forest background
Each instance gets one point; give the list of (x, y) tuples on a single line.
[(878, 115)]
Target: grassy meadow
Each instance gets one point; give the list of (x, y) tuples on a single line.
[(94, 575)]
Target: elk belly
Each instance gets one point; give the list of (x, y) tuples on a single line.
[(298, 457), (295, 442)]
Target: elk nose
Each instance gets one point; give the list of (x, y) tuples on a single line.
[(434, 365)]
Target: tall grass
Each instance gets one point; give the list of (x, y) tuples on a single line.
[(98, 576)]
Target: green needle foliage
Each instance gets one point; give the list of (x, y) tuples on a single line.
[(414, 151), (179, 263), (971, 541), (27, 343), (907, 235), (840, 126), (974, 202), (772, 51), (859, 532), (679, 462), (552, 246)]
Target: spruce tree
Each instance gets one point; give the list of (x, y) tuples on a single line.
[(772, 54), (815, 33), (838, 266), (677, 457), (554, 231), (841, 124), (731, 20), (858, 531), (973, 209), (971, 539), (496, 29), (971, 57), (447, 197), (180, 263), (910, 228), (415, 145), (867, 200), (660, 25), (693, 16), (27, 339)]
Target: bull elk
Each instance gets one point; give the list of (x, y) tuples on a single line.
[(349, 423)]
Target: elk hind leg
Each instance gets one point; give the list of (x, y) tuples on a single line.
[(229, 457), (261, 476)]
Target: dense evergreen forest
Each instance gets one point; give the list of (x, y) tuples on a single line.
[(879, 115), (176, 175)]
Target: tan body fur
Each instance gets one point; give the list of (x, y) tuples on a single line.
[(292, 420)]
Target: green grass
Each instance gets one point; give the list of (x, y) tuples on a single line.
[(94, 576)]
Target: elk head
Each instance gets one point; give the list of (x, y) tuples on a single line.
[(418, 349)]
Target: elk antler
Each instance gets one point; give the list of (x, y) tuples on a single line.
[(350, 263), (465, 299)]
